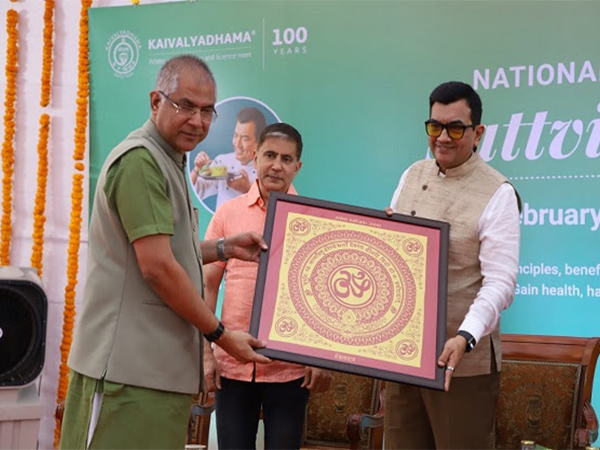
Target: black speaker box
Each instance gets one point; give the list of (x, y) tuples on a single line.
[(23, 315)]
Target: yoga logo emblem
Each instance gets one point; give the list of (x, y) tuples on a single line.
[(123, 50)]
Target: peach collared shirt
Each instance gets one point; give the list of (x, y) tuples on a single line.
[(244, 213)]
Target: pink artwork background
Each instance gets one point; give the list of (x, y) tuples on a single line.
[(427, 369)]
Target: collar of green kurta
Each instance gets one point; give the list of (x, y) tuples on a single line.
[(176, 156)]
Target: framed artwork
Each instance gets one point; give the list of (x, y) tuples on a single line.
[(351, 289)]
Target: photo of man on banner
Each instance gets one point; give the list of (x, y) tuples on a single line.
[(216, 175)]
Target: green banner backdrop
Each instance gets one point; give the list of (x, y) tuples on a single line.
[(354, 77)]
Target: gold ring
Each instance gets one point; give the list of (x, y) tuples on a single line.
[(450, 368)]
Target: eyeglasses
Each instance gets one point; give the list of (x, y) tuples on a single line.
[(207, 115), (455, 130)]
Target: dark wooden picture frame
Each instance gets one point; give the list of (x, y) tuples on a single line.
[(352, 289)]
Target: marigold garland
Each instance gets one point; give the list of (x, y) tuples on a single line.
[(76, 206), (39, 208), (47, 52), (8, 151)]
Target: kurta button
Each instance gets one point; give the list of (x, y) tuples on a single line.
[(412, 213), (424, 187)]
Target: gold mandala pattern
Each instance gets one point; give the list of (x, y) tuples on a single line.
[(351, 287)]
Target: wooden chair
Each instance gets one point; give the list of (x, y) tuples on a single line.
[(349, 415), (199, 424), (545, 392)]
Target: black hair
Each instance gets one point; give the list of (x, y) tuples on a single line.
[(453, 91), (253, 115)]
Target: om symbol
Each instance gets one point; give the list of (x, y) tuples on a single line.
[(300, 227), (412, 247), (286, 327), (352, 286), (407, 349)]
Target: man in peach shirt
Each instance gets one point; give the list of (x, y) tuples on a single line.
[(280, 389)]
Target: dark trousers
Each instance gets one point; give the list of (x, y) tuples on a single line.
[(239, 404), (463, 418)]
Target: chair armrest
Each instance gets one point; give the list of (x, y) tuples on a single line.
[(205, 405), (59, 411), (358, 424), (199, 423), (585, 436)]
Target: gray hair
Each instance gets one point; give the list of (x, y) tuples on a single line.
[(281, 130), (167, 79)]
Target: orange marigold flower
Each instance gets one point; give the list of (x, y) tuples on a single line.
[(47, 52), (40, 196), (12, 47), (76, 203)]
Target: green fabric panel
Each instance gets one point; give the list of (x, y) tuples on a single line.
[(133, 417), (130, 417), (78, 409), (136, 189)]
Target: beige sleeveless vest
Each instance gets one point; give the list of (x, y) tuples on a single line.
[(460, 199), (125, 332)]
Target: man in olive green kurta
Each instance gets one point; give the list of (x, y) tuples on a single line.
[(137, 353)]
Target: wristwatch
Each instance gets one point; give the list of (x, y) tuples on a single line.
[(212, 337), (471, 342), (221, 249)]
